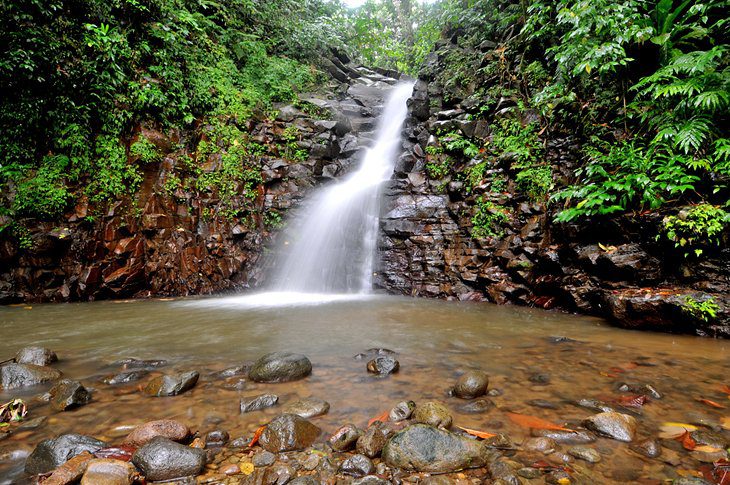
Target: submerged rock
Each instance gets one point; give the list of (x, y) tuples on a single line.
[(167, 428), (476, 406), (68, 394), (36, 356), (308, 408), (433, 414), (427, 449), (288, 432), (280, 367), (14, 376), (383, 366), (141, 364), (172, 385), (621, 427), (471, 385), (585, 453), (52, 453), (258, 402), (578, 437), (163, 459), (125, 377)]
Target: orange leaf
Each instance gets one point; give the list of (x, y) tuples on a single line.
[(533, 422), (382, 418), (256, 436), (687, 441), (710, 403), (478, 434)]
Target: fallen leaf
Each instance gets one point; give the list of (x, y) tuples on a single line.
[(633, 401), (382, 418), (533, 422), (710, 403), (246, 468), (256, 436), (121, 452), (725, 422), (478, 434), (671, 430), (687, 441)]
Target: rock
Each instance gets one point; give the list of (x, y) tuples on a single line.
[(71, 471), (345, 438), (371, 443), (259, 402), (306, 480), (371, 480), (476, 406), (402, 411), (542, 444), (585, 453), (263, 458), (166, 428), (621, 427), (370, 354), (68, 394), (108, 472), (383, 366), (172, 384), (163, 459), (649, 448), (427, 449), (54, 452), (690, 481), (141, 364), (308, 408), (280, 367), (36, 355), (14, 376), (216, 438), (278, 474), (471, 385), (125, 377), (433, 414), (357, 466), (288, 432), (578, 437)]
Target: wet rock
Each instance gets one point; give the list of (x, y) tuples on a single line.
[(278, 475), (578, 437), (166, 428), (237, 370), (280, 367), (383, 366), (690, 481), (288, 432), (14, 376), (371, 480), (371, 443), (36, 355), (475, 407), (621, 427), (125, 377), (559, 477), (357, 466), (163, 459), (216, 438), (649, 448), (370, 354), (306, 480), (141, 364), (433, 414), (585, 453), (402, 411), (108, 472), (258, 402), (542, 403), (594, 405), (542, 444), (263, 458), (54, 452), (529, 472), (427, 449), (308, 408), (345, 438), (172, 384), (710, 438), (68, 394), (540, 379), (646, 389), (471, 385)]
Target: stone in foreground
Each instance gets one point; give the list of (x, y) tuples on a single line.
[(109, 472), (167, 428), (621, 427), (172, 385), (52, 453), (424, 448), (163, 459), (288, 432), (280, 367), (68, 394), (14, 376), (36, 356)]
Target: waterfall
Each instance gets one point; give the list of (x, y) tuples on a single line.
[(332, 248)]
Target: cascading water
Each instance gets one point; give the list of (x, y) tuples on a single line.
[(333, 250)]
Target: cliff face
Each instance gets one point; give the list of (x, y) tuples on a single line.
[(613, 267)]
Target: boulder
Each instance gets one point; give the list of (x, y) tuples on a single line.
[(172, 384), (617, 426), (14, 376), (167, 428), (424, 448), (163, 459), (280, 367), (288, 432), (52, 453), (36, 356), (68, 394), (471, 385)]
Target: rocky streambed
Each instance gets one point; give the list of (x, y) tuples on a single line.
[(382, 390)]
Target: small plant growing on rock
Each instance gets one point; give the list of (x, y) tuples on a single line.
[(704, 310), (145, 151), (702, 224), (488, 220)]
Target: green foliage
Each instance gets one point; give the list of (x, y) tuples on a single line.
[(535, 182), (488, 220), (457, 143), (705, 309), (145, 151), (701, 225)]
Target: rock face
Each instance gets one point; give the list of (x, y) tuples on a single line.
[(13, 376), (172, 385), (288, 432), (52, 453), (424, 448), (167, 428), (621, 427), (280, 367), (68, 394), (163, 459), (471, 385), (36, 356)]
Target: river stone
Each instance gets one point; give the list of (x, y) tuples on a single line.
[(424, 448), (578, 437), (288, 432), (105, 471), (542, 444), (402, 411), (383, 365), (141, 364), (585, 453), (476, 406), (172, 384), (216, 438), (68, 394), (308, 408), (371, 480), (357, 466), (52, 453), (371, 443), (621, 427), (71, 471), (306, 480), (471, 385), (13, 376), (125, 377), (649, 448), (36, 356), (263, 458), (167, 428), (433, 414), (258, 402), (163, 459), (345, 438), (280, 367)]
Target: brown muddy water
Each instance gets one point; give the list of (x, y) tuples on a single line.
[(531, 371)]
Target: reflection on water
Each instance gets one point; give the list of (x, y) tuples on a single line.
[(436, 341)]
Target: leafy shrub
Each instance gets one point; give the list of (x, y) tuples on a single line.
[(488, 220), (535, 182), (701, 225), (705, 310)]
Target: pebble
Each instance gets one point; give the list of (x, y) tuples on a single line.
[(585, 453)]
